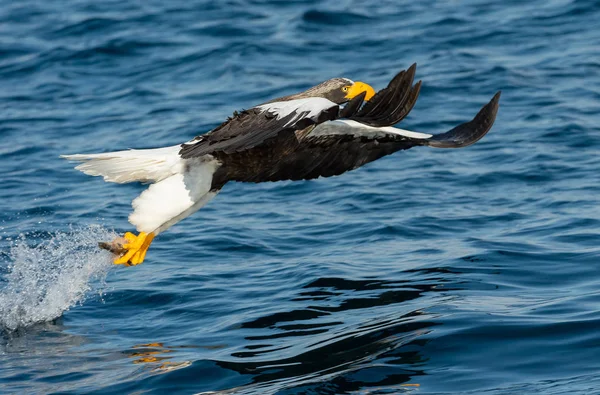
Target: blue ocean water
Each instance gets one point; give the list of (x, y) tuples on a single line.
[(429, 271)]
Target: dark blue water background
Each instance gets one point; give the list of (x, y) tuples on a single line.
[(429, 271)]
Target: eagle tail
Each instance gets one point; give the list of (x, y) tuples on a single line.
[(148, 165)]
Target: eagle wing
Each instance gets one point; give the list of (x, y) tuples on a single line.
[(341, 145), (253, 127), (391, 104)]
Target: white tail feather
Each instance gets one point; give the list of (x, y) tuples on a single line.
[(149, 165)]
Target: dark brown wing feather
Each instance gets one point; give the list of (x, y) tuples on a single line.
[(251, 128), (391, 104), (332, 154), (469, 132), (333, 149)]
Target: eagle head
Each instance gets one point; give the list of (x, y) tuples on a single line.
[(340, 90)]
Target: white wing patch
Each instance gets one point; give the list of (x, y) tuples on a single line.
[(310, 107), (386, 129), (192, 142)]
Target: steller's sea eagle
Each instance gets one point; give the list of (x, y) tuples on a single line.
[(298, 137)]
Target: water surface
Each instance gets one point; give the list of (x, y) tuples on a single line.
[(429, 271)]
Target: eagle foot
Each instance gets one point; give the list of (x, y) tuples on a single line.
[(131, 249)]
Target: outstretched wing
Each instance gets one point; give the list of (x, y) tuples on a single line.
[(250, 128), (338, 146), (253, 127)]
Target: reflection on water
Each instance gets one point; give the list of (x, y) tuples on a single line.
[(45, 338), (157, 355), (318, 348), (377, 356), (42, 350)]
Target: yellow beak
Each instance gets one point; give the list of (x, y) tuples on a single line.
[(359, 87)]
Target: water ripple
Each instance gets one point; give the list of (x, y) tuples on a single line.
[(439, 271)]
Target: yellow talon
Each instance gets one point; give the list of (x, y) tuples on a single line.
[(136, 247)]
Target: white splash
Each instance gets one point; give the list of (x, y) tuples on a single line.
[(45, 280)]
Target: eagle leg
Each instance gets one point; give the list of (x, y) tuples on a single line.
[(133, 251)]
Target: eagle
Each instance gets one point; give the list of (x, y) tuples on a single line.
[(334, 127)]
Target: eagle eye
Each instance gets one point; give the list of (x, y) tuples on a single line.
[(345, 89)]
